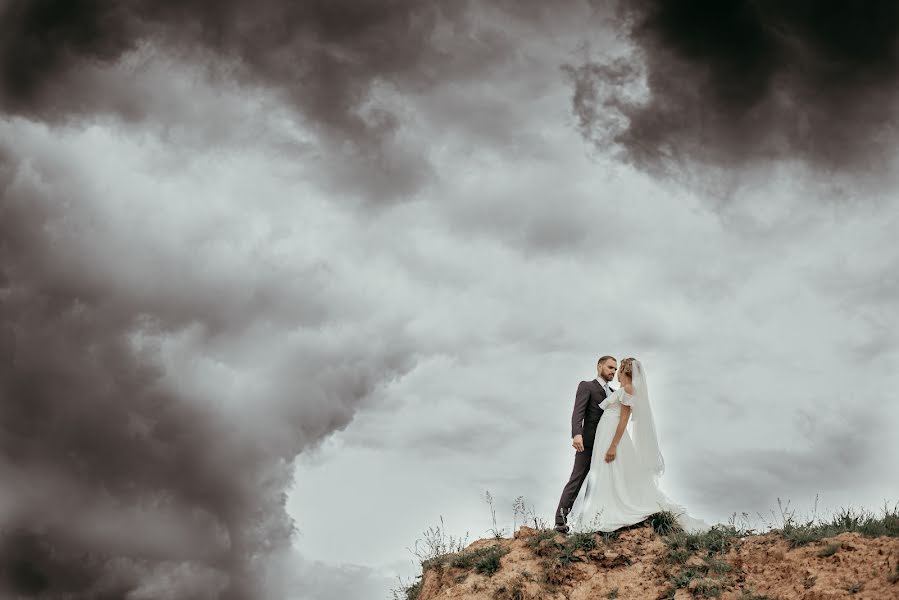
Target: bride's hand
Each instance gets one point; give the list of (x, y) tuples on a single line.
[(611, 453)]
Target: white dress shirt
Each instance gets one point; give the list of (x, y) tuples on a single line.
[(605, 386)]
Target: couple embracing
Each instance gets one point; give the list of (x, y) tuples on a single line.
[(617, 473)]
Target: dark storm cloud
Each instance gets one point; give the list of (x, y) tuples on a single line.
[(732, 81), (115, 482), (326, 54), (324, 57)]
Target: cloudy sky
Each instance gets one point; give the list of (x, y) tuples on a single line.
[(281, 284)]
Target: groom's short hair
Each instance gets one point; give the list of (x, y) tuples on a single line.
[(603, 359)]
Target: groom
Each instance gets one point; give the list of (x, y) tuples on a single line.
[(584, 420)]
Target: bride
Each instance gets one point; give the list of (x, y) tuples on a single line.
[(621, 488)]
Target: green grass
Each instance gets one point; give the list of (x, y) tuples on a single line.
[(608, 536), (483, 560), (664, 523), (717, 540), (542, 534), (707, 587), (715, 565), (679, 555), (681, 546), (684, 577), (847, 520), (582, 541), (435, 545), (545, 544), (567, 553), (488, 564)]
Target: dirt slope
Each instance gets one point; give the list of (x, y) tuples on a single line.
[(639, 564)]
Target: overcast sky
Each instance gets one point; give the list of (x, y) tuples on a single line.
[(281, 284)]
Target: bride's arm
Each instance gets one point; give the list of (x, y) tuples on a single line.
[(622, 425)]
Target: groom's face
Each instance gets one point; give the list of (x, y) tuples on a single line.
[(607, 369)]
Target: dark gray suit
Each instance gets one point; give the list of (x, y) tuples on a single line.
[(584, 420)]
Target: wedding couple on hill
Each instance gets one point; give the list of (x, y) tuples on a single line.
[(618, 475)]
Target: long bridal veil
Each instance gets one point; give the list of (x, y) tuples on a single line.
[(646, 446), (646, 440)]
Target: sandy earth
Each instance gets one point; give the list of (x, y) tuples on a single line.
[(636, 566)]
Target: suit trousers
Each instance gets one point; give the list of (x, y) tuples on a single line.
[(573, 487)]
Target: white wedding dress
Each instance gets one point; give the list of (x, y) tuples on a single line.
[(625, 491)]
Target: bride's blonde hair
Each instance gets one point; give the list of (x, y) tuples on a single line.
[(627, 366)]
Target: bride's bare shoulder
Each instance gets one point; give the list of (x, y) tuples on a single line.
[(628, 389)]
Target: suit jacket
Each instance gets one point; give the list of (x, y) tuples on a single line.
[(587, 412)]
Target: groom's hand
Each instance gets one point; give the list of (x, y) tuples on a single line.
[(578, 443)]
